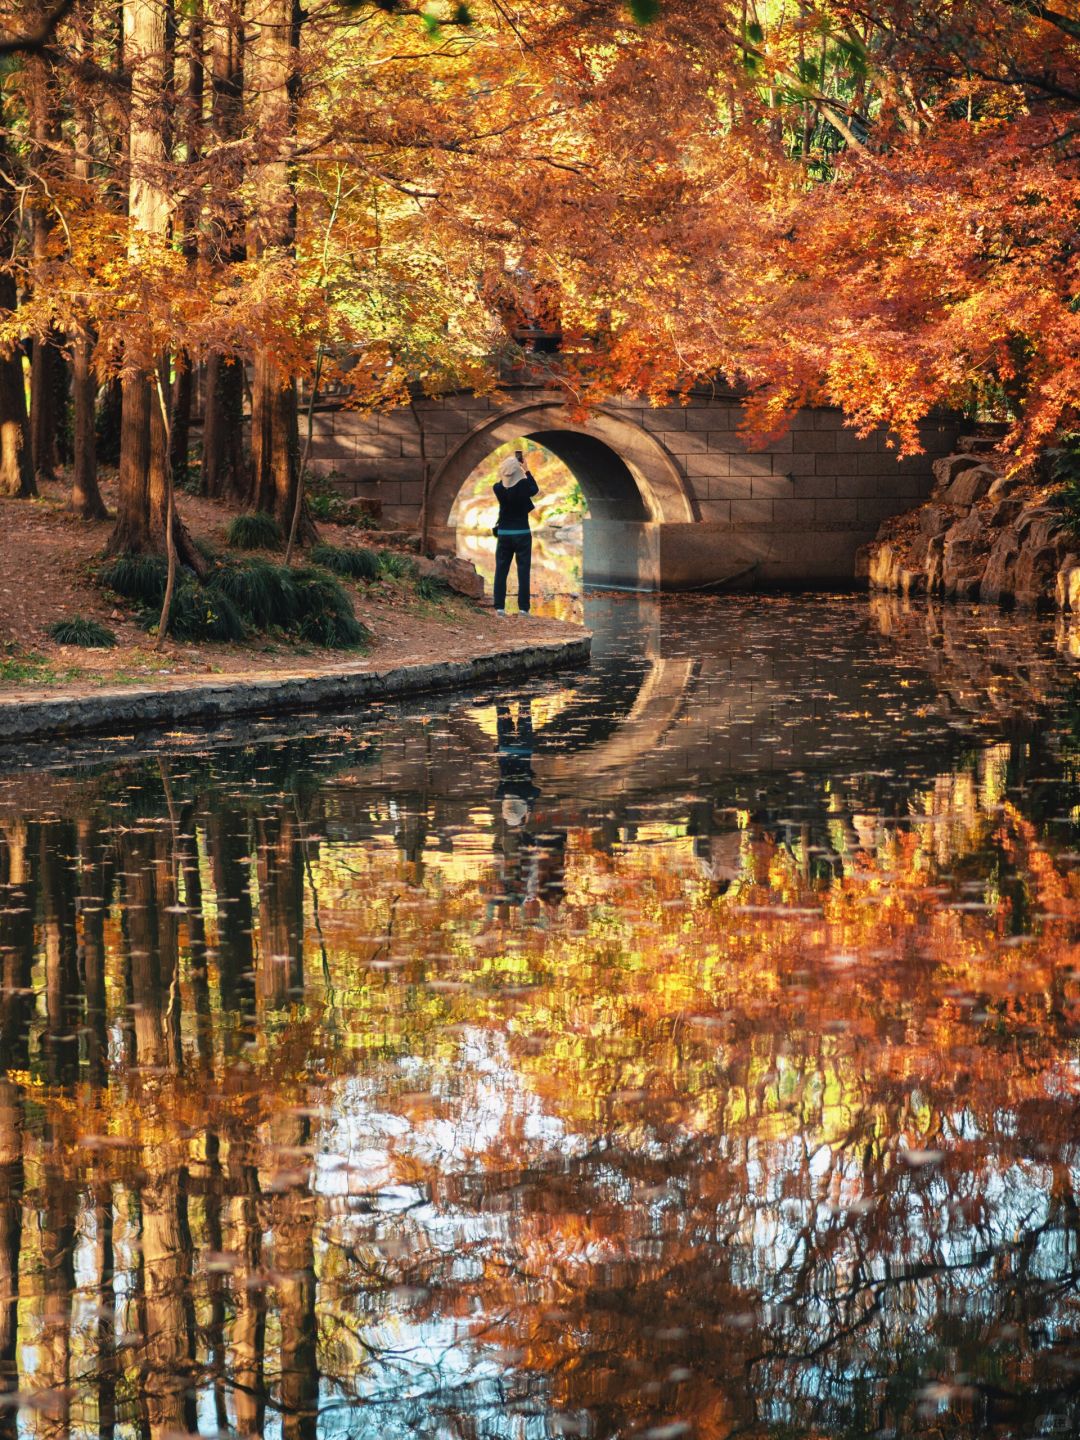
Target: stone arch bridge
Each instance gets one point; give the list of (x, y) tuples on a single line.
[(677, 497)]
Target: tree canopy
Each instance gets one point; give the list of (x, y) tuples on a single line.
[(871, 205)]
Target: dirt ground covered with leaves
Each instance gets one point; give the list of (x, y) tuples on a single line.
[(47, 560)]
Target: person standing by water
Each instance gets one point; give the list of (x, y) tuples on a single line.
[(514, 490)]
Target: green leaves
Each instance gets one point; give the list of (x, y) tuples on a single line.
[(644, 11)]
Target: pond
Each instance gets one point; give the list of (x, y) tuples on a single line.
[(684, 1047)]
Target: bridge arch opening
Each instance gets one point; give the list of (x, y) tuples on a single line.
[(629, 483)]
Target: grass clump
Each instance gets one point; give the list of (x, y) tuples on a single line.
[(428, 587), (136, 577), (352, 564), (326, 614), (240, 596), (263, 593), (199, 613), (395, 566), (78, 630), (257, 531)]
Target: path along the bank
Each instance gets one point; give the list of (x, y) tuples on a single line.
[(42, 714)]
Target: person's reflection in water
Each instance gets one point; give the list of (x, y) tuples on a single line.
[(533, 864)]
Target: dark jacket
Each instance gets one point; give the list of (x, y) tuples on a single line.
[(515, 504)]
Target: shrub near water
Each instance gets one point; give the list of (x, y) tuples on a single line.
[(257, 531), (250, 594), (264, 594), (77, 630), (354, 564), (199, 612), (326, 613)]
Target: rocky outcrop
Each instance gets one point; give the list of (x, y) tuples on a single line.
[(983, 535), (456, 574)]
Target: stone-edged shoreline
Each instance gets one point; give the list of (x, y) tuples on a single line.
[(32, 717)]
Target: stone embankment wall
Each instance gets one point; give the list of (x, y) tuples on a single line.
[(982, 535)]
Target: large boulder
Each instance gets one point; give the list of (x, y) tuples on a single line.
[(935, 564), (977, 444), (971, 486), (966, 546), (884, 567), (1064, 584), (1005, 485), (999, 576), (456, 574), (1003, 514), (934, 520), (1036, 575), (949, 467)]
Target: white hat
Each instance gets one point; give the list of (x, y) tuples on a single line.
[(511, 471), (515, 811)]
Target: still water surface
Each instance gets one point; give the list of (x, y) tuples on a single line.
[(684, 1047)]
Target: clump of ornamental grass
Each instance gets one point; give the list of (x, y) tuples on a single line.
[(264, 593), (256, 531), (356, 563), (140, 578), (326, 614), (198, 612), (78, 630), (396, 567)]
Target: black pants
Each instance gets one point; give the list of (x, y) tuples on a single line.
[(519, 548)]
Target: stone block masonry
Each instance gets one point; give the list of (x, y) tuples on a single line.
[(788, 513)]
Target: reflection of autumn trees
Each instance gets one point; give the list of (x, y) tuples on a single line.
[(692, 1151)]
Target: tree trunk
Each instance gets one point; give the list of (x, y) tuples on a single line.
[(191, 49), (180, 417), (16, 467), (271, 78), (225, 475), (142, 503), (86, 498), (46, 360)]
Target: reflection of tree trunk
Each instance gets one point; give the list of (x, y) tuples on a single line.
[(140, 924), (229, 844), (168, 942), (17, 900), (294, 1260), (106, 1299), (61, 969), (169, 1342), (92, 905), (187, 862), (281, 909), (58, 1263), (215, 1280), (11, 1210), (248, 1331)]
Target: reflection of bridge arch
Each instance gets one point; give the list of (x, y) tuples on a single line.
[(660, 703), (630, 481)]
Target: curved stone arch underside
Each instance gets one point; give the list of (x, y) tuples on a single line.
[(627, 476)]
